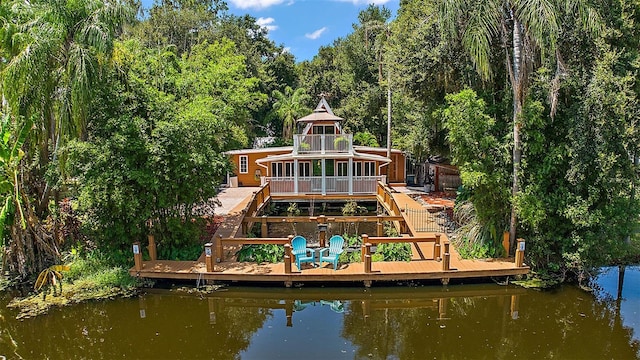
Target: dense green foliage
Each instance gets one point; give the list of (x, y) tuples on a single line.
[(128, 119), (261, 253), (457, 93)]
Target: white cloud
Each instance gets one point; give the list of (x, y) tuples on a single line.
[(316, 34), (287, 50), (255, 4), (366, 2), (267, 23)]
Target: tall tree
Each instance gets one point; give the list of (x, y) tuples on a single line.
[(290, 106), (524, 28), (54, 51)]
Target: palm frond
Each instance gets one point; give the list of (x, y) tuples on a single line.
[(540, 18)]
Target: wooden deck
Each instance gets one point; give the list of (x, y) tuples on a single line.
[(421, 267)]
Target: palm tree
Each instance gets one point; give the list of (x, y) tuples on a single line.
[(52, 55), (289, 107), (530, 25)]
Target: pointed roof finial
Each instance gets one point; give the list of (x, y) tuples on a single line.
[(323, 105), (322, 112)]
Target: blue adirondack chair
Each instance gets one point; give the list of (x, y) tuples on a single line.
[(301, 251), (333, 251)]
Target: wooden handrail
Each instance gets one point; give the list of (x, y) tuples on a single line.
[(382, 240), (253, 241), (337, 219), (435, 239)]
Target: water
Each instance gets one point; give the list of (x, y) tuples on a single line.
[(484, 321)]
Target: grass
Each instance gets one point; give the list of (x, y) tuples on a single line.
[(90, 278)]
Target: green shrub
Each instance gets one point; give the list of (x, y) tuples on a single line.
[(347, 257), (261, 253), (393, 252)]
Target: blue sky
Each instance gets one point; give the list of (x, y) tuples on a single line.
[(303, 26)]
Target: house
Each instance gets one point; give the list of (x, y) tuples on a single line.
[(322, 160)]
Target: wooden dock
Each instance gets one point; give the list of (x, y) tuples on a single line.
[(429, 261)]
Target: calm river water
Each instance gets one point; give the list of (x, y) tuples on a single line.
[(419, 322)]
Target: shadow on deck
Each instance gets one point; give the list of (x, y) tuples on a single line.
[(428, 261)]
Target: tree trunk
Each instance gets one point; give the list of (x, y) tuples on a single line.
[(517, 111)]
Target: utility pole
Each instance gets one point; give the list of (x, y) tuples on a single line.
[(388, 111), (388, 31)]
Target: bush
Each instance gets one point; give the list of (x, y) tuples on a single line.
[(393, 252), (347, 257), (271, 253)]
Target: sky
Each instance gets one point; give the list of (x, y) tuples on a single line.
[(303, 26)]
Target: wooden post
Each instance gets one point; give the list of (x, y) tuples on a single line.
[(365, 240), (505, 242), (367, 258), (380, 227), (264, 229), (137, 255), (447, 257), (153, 254), (208, 256), (437, 248), (244, 227), (322, 236), (287, 258), (219, 250), (520, 253)]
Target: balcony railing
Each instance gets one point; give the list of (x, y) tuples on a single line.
[(342, 143), (330, 185)]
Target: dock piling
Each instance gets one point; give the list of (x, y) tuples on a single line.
[(137, 255), (208, 256), (437, 249), (446, 260), (520, 253), (219, 251), (367, 258), (287, 258), (153, 254)]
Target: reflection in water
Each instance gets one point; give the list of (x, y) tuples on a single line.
[(618, 288), (470, 321)]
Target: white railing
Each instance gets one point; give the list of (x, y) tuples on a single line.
[(331, 185), (342, 143)]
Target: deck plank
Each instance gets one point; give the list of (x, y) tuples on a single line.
[(421, 266)]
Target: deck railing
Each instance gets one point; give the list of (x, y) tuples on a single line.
[(332, 185), (427, 220), (314, 143)]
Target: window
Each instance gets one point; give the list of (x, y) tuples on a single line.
[(277, 169), (343, 166), (288, 169), (324, 130), (244, 164), (364, 168), (304, 169), (369, 168), (357, 168)]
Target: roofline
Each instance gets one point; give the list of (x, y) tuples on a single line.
[(261, 150), (313, 156), (372, 148)]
